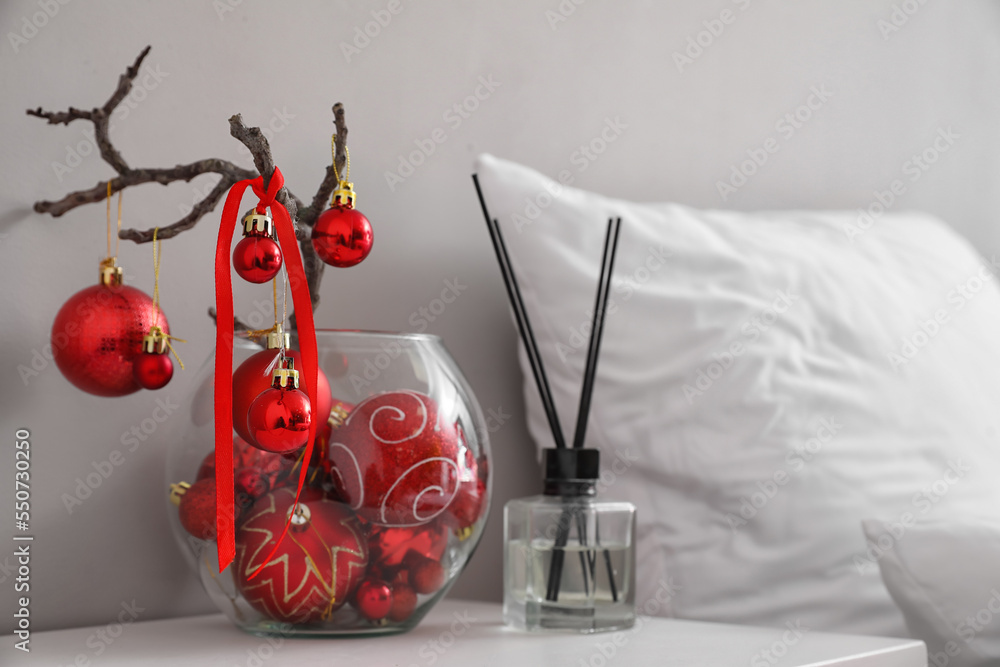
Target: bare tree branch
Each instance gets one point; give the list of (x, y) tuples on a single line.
[(251, 137)]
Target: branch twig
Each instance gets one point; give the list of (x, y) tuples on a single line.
[(251, 137)]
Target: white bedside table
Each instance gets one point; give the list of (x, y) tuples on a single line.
[(463, 633)]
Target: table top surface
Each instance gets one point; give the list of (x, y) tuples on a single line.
[(459, 632)]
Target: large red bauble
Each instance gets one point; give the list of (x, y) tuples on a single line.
[(251, 379), (316, 567), (97, 335), (197, 509), (279, 420), (257, 258), (395, 460), (152, 370), (342, 236)]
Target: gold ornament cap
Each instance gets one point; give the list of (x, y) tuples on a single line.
[(344, 195), (278, 339), (257, 224), (154, 342), (111, 275), (285, 375), (177, 490)]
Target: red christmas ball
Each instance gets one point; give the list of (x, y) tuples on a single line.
[(250, 379), (274, 468), (98, 333), (257, 258), (373, 599), (395, 459), (197, 509), (279, 420), (342, 236), (388, 547), (152, 370), (252, 482), (427, 576), (316, 567), (404, 602), (470, 501)]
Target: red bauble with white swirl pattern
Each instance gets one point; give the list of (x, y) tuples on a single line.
[(396, 459), (316, 567)]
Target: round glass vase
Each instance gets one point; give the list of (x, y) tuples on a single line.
[(396, 499)]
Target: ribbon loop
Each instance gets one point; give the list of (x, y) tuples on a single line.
[(267, 196), (224, 473)]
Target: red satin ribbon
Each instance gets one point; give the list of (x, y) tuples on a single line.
[(224, 484)]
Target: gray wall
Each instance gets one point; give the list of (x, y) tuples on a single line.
[(557, 82)]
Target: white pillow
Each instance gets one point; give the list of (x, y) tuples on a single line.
[(767, 380), (945, 576)]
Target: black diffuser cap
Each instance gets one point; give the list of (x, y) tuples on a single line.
[(571, 472)]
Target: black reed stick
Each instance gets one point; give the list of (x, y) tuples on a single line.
[(590, 373), (521, 317), (597, 329)]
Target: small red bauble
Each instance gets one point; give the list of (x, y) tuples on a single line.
[(98, 333), (373, 599), (427, 576), (197, 509), (470, 501), (152, 370), (390, 546), (395, 459), (404, 602), (251, 378), (316, 567), (279, 420), (342, 236), (252, 482), (257, 259)]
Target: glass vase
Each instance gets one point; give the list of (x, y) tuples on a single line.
[(396, 498)]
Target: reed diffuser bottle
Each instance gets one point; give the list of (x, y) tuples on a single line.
[(569, 559), (569, 562)]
